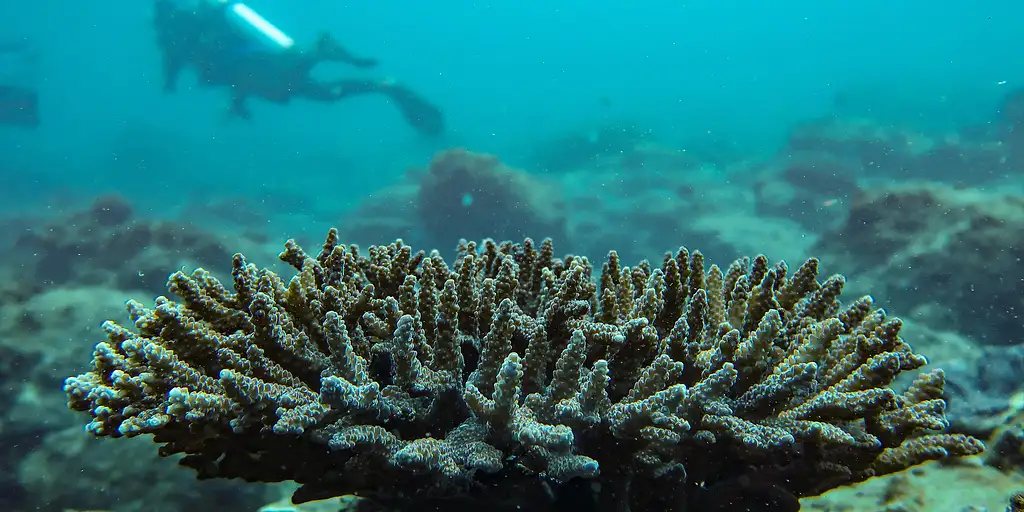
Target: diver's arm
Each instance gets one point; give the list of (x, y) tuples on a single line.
[(238, 105), (330, 92), (335, 90), (175, 38), (359, 62), (316, 91), (172, 66)]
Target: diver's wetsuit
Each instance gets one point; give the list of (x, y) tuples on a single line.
[(204, 41)]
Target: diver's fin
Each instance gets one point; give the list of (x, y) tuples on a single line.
[(425, 117)]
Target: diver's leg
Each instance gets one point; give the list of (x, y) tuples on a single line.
[(336, 90), (421, 115), (329, 50), (341, 89)]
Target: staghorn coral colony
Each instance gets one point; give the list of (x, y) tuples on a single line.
[(521, 379)]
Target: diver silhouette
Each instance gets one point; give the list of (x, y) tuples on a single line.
[(228, 45)]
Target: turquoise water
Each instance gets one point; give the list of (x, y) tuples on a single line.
[(883, 137), (506, 75)]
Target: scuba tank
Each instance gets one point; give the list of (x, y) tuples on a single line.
[(249, 23)]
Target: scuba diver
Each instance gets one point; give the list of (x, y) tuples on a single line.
[(228, 44), (19, 100)]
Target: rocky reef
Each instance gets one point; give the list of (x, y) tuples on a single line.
[(895, 153), (947, 255), (513, 379), (63, 275), (95, 246), (463, 194), (460, 194)]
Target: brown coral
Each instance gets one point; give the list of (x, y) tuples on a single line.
[(513, 375)]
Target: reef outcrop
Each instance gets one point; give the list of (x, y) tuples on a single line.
[(947, 255)]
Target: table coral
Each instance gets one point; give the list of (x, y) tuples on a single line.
[(514, 378)]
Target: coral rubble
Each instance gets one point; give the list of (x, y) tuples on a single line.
[(517, 378)]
